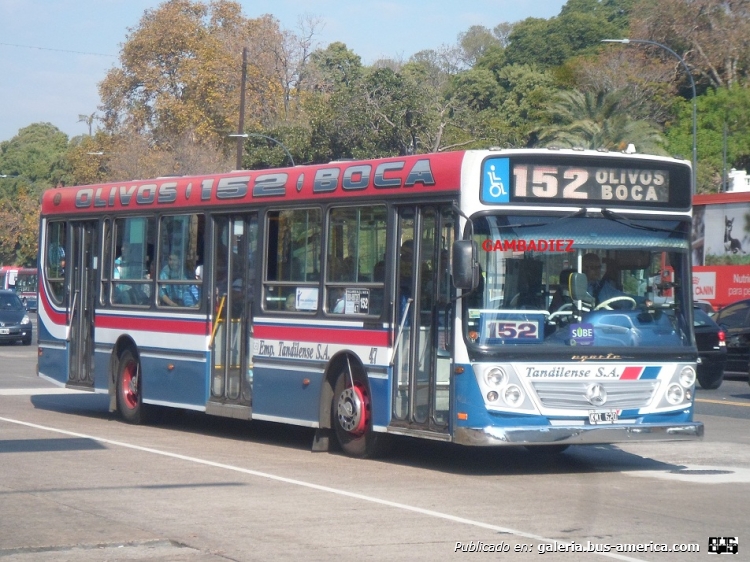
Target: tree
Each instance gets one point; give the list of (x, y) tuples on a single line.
[(476, 42), (578, 30), (20, 233), (180, 71), (36, 155), (599, 120), (712, 36), (725, 108)]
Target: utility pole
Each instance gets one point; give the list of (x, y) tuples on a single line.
[(241, 126)]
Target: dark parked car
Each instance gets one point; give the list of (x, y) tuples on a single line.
[(734, 319), (15, 324), (706, 307), (712, 350)]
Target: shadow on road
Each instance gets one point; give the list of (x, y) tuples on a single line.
[(405, 451)]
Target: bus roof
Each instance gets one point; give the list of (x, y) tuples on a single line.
[(405, 175), (401, 176)]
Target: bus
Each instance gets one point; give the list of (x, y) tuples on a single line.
[(721, 247), (398, 296), (23, 280)]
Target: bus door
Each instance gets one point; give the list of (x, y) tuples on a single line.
[(424, 308), (234, 270), (82, 271)]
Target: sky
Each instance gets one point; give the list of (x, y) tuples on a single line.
[(54, 53)]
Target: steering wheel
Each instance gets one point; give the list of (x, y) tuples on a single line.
[(565, 308), (605, 304)]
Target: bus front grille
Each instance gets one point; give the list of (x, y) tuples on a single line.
[(571, 395)]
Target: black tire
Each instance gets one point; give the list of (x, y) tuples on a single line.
[(26, 341), (351, 413), (710, 380), (129, 397)]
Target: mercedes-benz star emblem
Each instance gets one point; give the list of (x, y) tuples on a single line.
[(596, 395)]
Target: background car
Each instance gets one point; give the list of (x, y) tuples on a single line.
[(734, 319), (15, 324), (712, 350), (706, 307)]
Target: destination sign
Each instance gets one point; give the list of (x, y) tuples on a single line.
[(586, 180), (593, 184)]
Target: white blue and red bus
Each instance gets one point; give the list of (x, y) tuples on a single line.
[(439, 296), (22, 280)]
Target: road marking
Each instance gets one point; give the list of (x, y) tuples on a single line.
[(318, 487), (40, 391), (727, 402)]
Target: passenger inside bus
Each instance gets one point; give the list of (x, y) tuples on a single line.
[(339, 301), (173, 294)]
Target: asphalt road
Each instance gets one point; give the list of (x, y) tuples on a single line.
[(76, 483)]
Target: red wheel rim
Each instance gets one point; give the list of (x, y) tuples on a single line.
[(130, 385), (353, 409), (365, 401)]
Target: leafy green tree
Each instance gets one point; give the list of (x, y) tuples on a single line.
[(36, 156), (35, 160), (599, 120), (475, 42), (716, 110), (578, 30)]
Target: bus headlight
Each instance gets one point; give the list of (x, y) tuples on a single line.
[(495, 377), (513, 395), (687, 376), (675, 394)]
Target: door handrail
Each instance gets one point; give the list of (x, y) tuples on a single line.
[(400, 331)]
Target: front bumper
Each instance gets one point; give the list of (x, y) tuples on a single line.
[(15, 333), (576, 435)]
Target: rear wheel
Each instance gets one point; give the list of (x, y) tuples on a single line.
[(129, 399), (352, 417)]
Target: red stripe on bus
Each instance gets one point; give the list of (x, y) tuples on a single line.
[(631, 373), (171, 325), (351, 336), (56, 317)]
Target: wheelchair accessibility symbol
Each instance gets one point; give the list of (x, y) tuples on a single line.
[(496, 181), (496, 184)]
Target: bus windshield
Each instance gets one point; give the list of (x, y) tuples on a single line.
[(526, 295)]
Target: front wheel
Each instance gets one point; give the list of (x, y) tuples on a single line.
[(352, 418), (129, 398), (710, 380)]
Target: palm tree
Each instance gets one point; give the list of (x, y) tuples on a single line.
[(88, 119), (599, 120)]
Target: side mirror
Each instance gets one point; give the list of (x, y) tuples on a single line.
[(465, 267)]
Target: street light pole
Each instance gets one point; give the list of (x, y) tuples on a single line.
[(247, 135), (692, 85)]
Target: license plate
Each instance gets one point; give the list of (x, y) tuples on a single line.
[(4, 331), (609, 416)]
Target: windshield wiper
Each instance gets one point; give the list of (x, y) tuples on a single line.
[(625, 221), (579, 213)]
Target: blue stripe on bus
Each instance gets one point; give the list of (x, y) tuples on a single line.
[(650, 372)]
